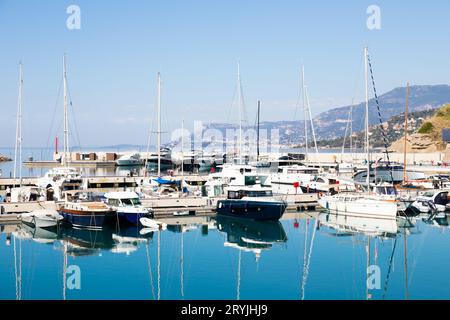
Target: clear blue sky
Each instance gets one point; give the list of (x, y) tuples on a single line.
[(114, 58)]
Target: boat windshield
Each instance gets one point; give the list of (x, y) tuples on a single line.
[(131, 202), (386, 191), (247, 193)]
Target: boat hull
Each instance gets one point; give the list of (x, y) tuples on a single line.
[(128, 163), (254, 210), (40, 222), (361, 207), (132, 217), (85, 219)]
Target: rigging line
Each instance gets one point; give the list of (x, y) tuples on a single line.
[(149, 266), (77, 133), (389, 270), (309, 259), (304, 253), (311, 121), (54, 113), (383, 133), (152, 122), (346, 131)]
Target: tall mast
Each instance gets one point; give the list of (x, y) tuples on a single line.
[(405, 177), (366, 56), (158, 145), (182, 153), (240, 111), (18, 145), (66, 118), (305, 112), (257, 132), (308, 106)]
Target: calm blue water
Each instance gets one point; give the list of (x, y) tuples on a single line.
[(300, 258)]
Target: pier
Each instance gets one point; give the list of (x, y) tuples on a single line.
[(162, 207)]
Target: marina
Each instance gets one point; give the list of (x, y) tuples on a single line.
[(305, 256), (229, 151)]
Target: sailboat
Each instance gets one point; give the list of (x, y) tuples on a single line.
[(64, 178), (162, 159), (358, 204), (39, 218)]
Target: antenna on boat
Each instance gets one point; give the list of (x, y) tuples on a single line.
[(18, 145), (366, 69), (66, 118), (405, 176)]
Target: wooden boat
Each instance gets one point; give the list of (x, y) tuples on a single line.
[(90, 215)]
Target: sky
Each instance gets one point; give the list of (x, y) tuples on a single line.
[(114, 58)]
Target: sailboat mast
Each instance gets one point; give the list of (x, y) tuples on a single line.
[(305, 112), (18, 145), (366, 55), (405, 176), (66, 118), (158, 146), (240, 111), (182, 153), (257, 132), (308, 106)]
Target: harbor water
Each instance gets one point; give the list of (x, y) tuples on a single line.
[(314, 256)]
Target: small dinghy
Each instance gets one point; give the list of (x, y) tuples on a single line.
[(42, 218), (153, 224)]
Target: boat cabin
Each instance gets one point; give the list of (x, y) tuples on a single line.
[(122, 199), (238, 194)]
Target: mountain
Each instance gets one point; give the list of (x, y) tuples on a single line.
[(394, 129), (332, 124)]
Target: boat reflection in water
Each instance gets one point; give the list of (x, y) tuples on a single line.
[(85, 242), (348, 224), (251, 236)]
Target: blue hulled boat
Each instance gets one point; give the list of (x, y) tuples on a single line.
[(254, 203), (128, 207)]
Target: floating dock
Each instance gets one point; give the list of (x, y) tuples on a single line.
[(168, 207)]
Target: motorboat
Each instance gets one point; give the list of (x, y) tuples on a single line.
[(165, 161), (58, 180), (256, 203), (129, 160), (128, 206), (42, 218), (383, 171), (288, 179), (432, 202), (231, 175), (85, 213)]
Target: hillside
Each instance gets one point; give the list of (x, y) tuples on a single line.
[(394, 128), (330, 125), (428, 138)]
